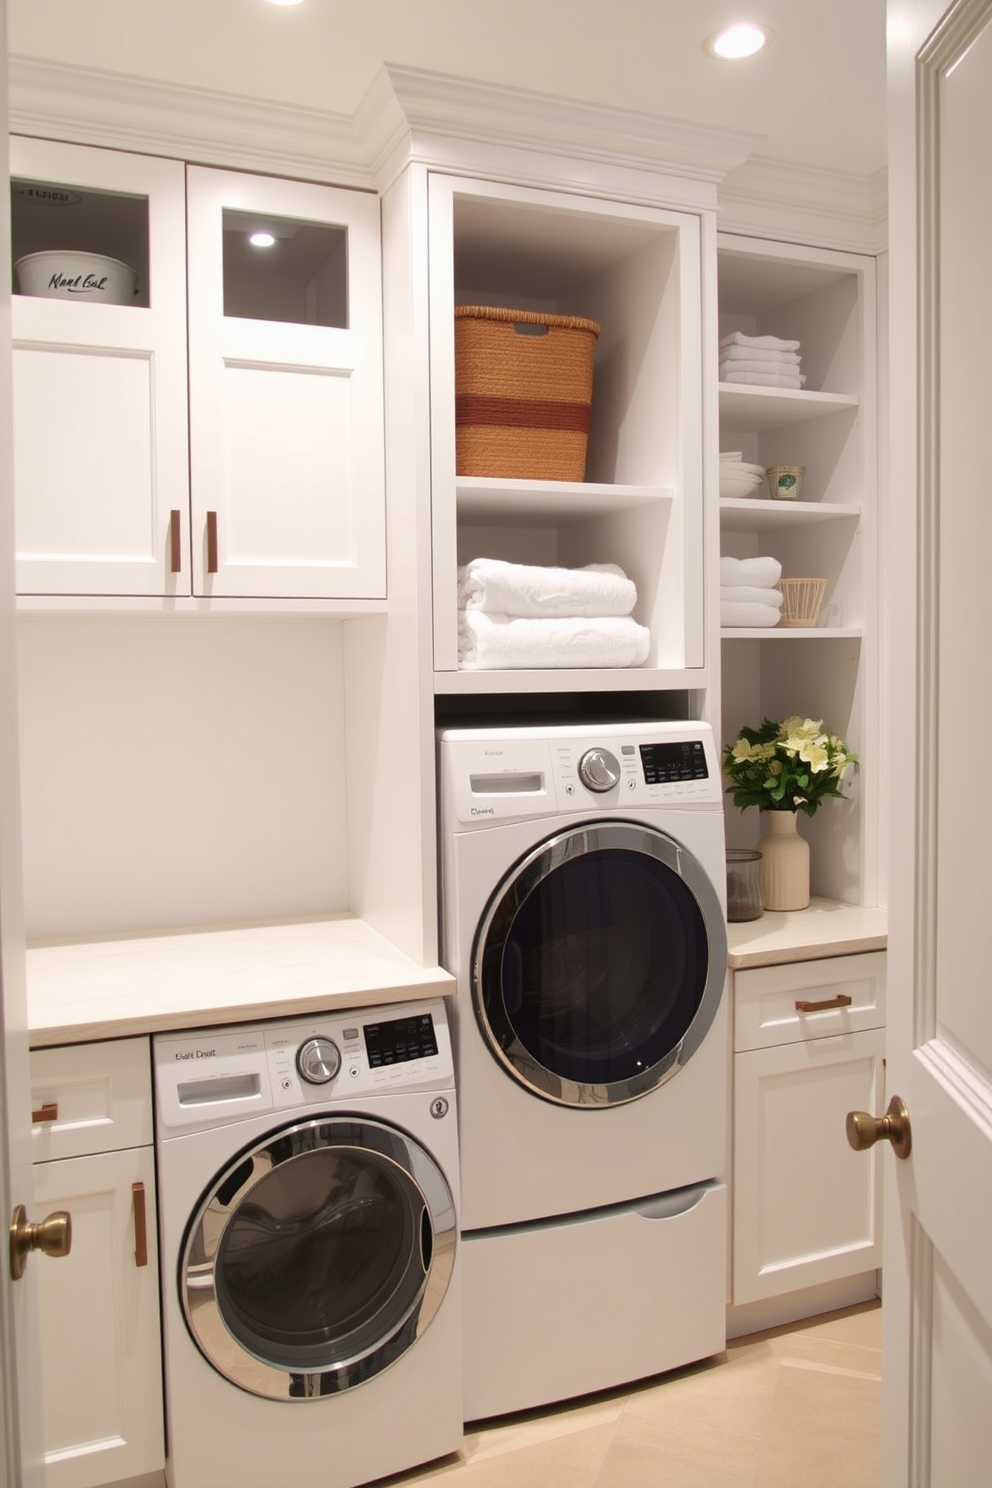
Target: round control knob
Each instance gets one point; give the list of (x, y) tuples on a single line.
[(599, 770), (318, 1061)]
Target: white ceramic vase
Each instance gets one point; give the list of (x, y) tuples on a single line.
[(784, 862)]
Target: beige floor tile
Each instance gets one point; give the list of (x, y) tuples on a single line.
[(825, 1411), (739, 1393), (787, 1465), (569, 1461), (647, 1453)]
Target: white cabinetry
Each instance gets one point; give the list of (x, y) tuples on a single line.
[(636, 271), (100, 424), (99, 1309), (261, 478), (809, 1045), (826, 301)]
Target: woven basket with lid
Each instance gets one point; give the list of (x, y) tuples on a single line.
[(523, 393)]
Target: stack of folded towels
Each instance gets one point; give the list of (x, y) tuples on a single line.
[(761, 361), (747, 591), (517, 615)]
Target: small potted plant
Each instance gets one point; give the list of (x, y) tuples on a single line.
[(784, 768)]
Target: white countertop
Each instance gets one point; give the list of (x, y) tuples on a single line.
[(117, 988), (826, 928)]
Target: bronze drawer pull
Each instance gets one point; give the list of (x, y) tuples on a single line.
[(48, 1112), (140, 1225), (841, 1000), (211, 542), (175, 541)]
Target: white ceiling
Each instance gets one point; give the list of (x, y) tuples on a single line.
[(816, 95)]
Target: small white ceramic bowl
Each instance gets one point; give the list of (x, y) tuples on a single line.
[(738, 485)]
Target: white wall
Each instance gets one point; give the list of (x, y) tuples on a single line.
[(180, 770)]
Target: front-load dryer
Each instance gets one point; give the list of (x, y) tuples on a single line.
[(308, 1185), (582, 889)]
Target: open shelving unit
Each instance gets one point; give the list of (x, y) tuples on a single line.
[(825, 300), (634, 270)]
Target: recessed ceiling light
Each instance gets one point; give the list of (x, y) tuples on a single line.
[(261, 239), (285, 2), (742, 39)]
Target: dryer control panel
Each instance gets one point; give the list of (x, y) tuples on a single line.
[(525, 772), (215, 1075)]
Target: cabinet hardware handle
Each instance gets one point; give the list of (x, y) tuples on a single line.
[(211, 542), (841, 1000), (140, 1225), (48, 1112), (176, 541)]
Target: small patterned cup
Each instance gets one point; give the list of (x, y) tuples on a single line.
[(785, 482)]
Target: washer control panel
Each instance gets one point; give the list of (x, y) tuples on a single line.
[(214, 1075), (527, 772)]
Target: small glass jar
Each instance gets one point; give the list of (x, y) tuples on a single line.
[(744, 896)]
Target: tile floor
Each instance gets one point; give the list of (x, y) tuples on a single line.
[(794, 1406)]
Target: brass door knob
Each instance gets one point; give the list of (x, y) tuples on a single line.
[(52, 1236), (863, 1131)]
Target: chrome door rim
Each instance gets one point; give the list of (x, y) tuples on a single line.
[(538, 864), (203, 1313)]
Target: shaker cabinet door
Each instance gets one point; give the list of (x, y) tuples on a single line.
[(100, 426), (286, 431)]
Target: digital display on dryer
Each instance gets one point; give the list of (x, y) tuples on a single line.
[(668, 763), (400, 1040)]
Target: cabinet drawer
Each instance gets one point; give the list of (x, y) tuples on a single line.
[(90, 1098), (767, 998)]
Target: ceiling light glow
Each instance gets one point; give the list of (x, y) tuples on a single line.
[(261, 240), (742, 39), (285, 2)]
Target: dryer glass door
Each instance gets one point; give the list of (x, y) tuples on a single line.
[(306, 1268), (600, 964)]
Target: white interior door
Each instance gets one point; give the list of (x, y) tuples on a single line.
[(937, 1401), (20, 1367)]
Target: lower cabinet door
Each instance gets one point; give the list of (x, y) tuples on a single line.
[(807, 1208), (99, 1319)]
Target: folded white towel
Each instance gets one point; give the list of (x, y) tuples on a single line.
[(763, 573), (750, 594), (760, 354), (751, 615), (498, 642), (783, 379), (522, 590), (768, 343)]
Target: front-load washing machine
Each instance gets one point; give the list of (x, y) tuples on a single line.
[(583, 888), (308, 1181)]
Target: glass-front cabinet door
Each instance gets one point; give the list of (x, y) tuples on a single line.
[(99, 364), (285, 349)]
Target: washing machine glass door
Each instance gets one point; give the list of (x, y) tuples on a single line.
[(599, 964), (317, 1257)]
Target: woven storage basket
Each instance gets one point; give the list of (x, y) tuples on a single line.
[(801, 601), (523, 393)]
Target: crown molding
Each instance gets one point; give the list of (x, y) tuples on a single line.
[(57, 101), (805, 204), (436, 105), (409, 114)]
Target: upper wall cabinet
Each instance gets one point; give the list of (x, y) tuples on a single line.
[(100, 431), (261, 476), (285, 367), (635, 271)]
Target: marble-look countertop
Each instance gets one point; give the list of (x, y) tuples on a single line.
[(82, 991), (826, 928)]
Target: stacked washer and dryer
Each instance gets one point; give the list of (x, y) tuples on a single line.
[(582, 889)]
